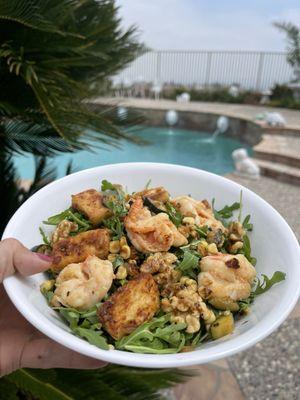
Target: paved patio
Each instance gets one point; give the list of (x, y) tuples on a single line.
[(271, 369)]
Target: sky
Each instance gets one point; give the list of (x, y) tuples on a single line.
[(210, 25)]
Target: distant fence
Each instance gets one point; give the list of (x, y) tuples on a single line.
[(250, 69)]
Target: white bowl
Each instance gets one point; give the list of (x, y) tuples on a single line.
[(273, 243)]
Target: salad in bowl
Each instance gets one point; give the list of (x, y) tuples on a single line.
[(147, 272)]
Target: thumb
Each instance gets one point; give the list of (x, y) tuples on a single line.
[(14, 257)]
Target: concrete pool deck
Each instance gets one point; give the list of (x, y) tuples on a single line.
[(276, 150), (271, 369)]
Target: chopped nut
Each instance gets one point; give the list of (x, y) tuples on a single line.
[(189, 220), (63, 230), (193, 324), (177, 319), (236, 247)]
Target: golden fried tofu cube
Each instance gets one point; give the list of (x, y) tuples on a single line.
[(75, 249), (90, 204), (130, 306)]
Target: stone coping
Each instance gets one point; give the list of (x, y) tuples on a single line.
[(240, 111)]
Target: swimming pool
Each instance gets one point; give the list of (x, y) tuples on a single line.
[(175, 146)]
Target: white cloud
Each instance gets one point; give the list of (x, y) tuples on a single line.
[(185, 24)]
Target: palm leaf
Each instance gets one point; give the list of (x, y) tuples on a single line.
[(110, 383), (8, 391), (33, 14), (63, 71)]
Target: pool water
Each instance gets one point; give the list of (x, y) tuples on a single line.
[(175, 146)]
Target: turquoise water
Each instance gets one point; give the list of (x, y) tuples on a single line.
[(175, 146)]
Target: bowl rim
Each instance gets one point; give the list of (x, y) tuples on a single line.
[(220, 350)]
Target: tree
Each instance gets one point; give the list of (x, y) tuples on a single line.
[(55, 55), (293, 37)]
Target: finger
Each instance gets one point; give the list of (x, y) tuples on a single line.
[(45, 353), (15, 257)]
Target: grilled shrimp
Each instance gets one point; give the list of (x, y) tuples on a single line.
[(83, 285), (149, 233), (225, 278), (200, 210)]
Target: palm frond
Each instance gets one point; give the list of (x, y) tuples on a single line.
[(8, 391), (62, 71), (39, 139), (36, 14), (110, 383), (10, 191)]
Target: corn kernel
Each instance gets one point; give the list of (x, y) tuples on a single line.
[(125, 252), (121, 273), (114, 246), (47, 285), (212, 248), (112, 257), (123, 241)]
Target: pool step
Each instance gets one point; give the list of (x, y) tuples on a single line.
[(282, 150), (281, 172)]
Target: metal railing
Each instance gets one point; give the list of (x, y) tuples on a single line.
[(250, 69)]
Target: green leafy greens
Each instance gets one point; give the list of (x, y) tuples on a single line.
[(85, 324), (70, 215), (158, 336), (114, 199), (267, 283), (174, 215), (260, 287)]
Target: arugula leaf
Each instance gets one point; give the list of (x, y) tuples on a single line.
[(70, 215), (202, 232), (261, 287), (116, 226), (92, 336), (44, 236), (148, 184), (246, 224), (174, 215), (158, 336), (105, 185), (246, 250), (227, 211), (190, 261), (56, 219), (189, 265), (267, 283), (241, 206)]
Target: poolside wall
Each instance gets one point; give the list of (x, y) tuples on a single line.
[(240, 129)]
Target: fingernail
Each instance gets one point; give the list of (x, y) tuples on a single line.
[(44, 257)]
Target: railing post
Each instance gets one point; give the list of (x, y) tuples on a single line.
[(259, 71), (208, 68), (158, 67)]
